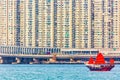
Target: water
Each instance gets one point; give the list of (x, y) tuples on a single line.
[(55, 72)]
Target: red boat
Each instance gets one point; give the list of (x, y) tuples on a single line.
[(99, 64)]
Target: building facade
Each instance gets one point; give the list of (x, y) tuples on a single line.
[(106, 23), (60, 23)]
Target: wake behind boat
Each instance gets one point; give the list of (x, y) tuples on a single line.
[(99, 64)]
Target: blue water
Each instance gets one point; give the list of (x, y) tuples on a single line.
[(55, 72)]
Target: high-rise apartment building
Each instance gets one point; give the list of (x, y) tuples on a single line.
[(105, 23), (60, 23), (8, 22)]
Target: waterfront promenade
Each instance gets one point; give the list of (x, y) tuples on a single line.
[(38, 59), (37, 55)]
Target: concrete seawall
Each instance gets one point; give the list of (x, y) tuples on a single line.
[(50, 59)]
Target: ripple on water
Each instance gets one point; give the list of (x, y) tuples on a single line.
[(55, 72)]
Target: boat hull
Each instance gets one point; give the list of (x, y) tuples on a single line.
[(105, 67)]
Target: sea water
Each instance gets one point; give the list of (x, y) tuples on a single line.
[(55, 72)]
